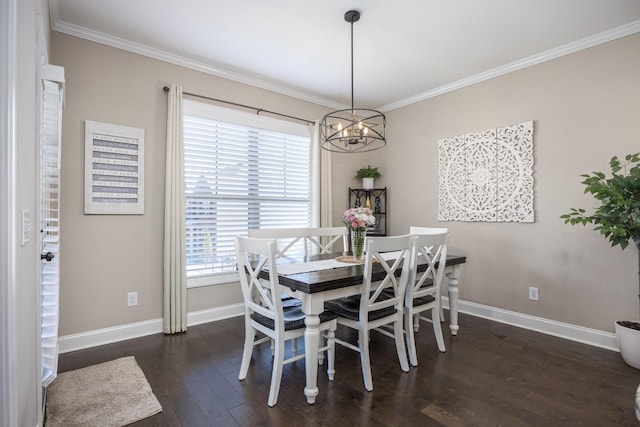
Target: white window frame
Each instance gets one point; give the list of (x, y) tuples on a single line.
[(213, 112)]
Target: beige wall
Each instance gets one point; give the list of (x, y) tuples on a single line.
[(583, 106), (106, 256), (585, 109)]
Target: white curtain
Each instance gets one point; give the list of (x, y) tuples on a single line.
[(175, 276), (321, 204)]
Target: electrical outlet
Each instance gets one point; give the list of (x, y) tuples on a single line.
[(534, 294), (132, 299)]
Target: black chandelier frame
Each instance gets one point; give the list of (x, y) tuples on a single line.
[(353, 129)]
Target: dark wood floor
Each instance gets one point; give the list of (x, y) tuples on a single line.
[(491, 375)]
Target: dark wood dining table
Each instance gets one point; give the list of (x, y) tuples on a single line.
[(313, 288)]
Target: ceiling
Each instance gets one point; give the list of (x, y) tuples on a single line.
[(404, 50)]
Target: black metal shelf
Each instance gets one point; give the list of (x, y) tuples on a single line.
[(376, 199)]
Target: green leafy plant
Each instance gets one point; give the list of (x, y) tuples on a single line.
[(618, 216), (368, 172)]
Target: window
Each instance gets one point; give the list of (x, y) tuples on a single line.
[(241, 171)]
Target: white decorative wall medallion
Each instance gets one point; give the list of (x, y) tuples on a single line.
[(487, 176)]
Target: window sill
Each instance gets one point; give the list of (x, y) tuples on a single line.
[(218, 279)]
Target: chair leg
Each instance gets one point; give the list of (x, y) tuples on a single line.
[(400, 348), (363, 343), (276, 375), (249, 337), (294, 346), (410, 337), (331, 353), (437, 328), (416, 322)]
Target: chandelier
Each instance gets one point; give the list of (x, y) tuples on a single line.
[(353, 130)]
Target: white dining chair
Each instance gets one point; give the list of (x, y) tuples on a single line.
[(320, 240), (423, 290), (315, 240), (430, 230), (380, 301), (264, 312)]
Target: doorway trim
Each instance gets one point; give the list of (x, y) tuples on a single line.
[(8, 291)]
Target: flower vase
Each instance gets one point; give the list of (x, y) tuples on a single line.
[(357, 242)]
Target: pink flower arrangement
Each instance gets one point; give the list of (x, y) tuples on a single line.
[(360, 217)]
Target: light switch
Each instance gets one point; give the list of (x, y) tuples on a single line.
[(27, 226)]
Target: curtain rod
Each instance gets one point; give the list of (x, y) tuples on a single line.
[(258, 110)]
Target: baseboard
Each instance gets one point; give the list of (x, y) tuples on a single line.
[(211, 315), (568, 331), (98, 337)]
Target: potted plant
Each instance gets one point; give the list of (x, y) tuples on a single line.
[(368, 176), (618, 219)]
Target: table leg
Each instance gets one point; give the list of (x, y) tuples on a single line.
[(311, 345), (452, 282)]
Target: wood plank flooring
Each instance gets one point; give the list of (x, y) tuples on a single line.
[(491, 375)]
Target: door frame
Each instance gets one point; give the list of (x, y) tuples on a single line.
[(8, 224)]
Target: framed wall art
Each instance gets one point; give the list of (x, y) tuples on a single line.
[(113, 169), (487, 175)]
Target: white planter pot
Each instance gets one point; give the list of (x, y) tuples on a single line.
[(368, 183), (629, 345), (638, 403)]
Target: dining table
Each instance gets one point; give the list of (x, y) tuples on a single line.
[(319, 278)]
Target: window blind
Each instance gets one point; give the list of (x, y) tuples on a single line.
[(238, 177), (50, 227)]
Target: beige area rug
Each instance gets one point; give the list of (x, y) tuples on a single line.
[(110, 394)]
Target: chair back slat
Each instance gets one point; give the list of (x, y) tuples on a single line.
[(430, 250), (390, 291), (260, 295), (413, 230), (314, 239), (330, 240)]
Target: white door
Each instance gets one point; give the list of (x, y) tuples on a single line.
[(49, 218)]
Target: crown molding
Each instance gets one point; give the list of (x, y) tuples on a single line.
[(548, 55), (102, 38), (141, 49)]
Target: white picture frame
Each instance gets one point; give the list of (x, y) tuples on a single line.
[(113, 169)]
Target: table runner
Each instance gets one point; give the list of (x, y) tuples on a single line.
[(324, 264)]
